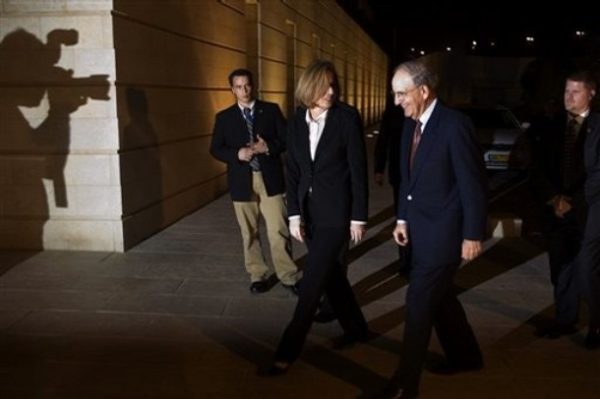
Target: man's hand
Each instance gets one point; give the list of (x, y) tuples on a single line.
[(260, 146), (470, 249), (401, 234), (357, 232), (245, 154), (296, 229), (378, 178)]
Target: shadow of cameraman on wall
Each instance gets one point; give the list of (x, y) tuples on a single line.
[(37, 102)]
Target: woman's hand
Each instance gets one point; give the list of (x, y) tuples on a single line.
[(357, 232), (296, 229)]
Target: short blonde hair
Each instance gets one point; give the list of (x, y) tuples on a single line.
[(315, 81)]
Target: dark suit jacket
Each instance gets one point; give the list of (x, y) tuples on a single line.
[(444, 198), (547, 138), (338, 175), (231, 133), (592, 159), (387, 148)]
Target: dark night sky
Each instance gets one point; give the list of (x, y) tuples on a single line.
[(431, 26)]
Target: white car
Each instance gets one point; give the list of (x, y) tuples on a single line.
[(500, 135)]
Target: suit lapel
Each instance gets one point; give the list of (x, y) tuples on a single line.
[(428, 139), (408, 129), (258, 119), (303, 133), (592, 136), (240, 128)]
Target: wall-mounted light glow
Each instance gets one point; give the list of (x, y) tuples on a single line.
[(529, 39), (448, 48), (492, 44), (474, 43), (412, 50), (422, 52), (579, 33)]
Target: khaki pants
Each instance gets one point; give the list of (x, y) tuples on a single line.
[(274, 213)]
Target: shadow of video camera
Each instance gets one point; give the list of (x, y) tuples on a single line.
[(94, 86)]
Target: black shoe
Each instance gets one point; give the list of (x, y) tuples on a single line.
[(347, 341), (258, 287), (324, 316), (294, 288), (449, 368), (278, 369), (393, 392), (592, 340), (556, 331)]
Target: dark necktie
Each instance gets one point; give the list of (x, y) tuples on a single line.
[(569, 156), (415, 143), (250, 124)]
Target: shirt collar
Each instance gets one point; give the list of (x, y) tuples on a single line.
[(424, 118), (319, 118), (251, 106), (579, 117)]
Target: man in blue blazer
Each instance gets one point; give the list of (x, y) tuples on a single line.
[(441, 220), (249, 137)]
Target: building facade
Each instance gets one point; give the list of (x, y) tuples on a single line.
[(106, 107)]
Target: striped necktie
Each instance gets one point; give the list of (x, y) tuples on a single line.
[(415, 144), (254, 164)]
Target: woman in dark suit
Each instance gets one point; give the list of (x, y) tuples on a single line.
[(327, 192)]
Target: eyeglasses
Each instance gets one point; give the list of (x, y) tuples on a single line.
[(402, 94)]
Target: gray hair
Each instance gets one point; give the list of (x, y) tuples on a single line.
[(419, 72)]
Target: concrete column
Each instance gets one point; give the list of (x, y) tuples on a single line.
[(59, 163)]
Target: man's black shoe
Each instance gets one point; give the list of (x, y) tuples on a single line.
[(258, 287), (556, 331), (278, 369), (294, 288), (592, 340), (448, 368)]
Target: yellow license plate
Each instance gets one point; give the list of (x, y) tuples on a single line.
[(498, 157)]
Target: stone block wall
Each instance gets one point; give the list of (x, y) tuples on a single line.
[(105, 156), (59, 165)]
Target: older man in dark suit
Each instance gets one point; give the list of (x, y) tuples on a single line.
[(249, 136), (441, 219)]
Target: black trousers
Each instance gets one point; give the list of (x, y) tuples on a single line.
[(563, 240), (431, 302), (589, 265), (324, 273)]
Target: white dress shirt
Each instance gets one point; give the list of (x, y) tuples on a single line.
[(315, 129)]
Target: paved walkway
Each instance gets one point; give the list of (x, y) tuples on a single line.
[(173, 318)]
